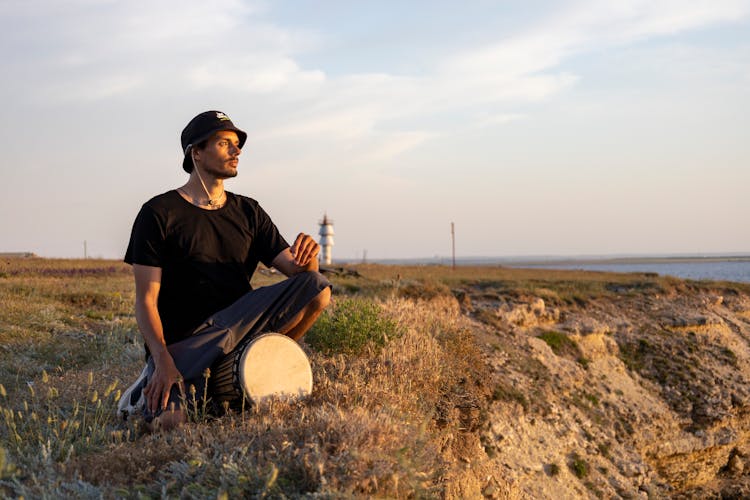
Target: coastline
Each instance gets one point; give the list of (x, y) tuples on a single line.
[(632, 260), (730, 267), (535, 260)]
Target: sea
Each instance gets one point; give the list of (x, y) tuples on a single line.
[(714, 268)]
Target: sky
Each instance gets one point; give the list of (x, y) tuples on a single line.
[(559, 128)]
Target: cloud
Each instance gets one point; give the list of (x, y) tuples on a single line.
[(375, 117), (589, 26), (97, 88), (253, 74), (184, 46), (473, 118), (104, 50), (627, 21)]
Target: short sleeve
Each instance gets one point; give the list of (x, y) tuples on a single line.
[(269, 240), (147, 239)]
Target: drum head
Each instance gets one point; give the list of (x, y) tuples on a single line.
[(273, 365)]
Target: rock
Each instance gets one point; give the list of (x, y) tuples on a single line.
[(595, 346), (528, 315), (725, 436), (490, 491), (631, 469), (738, 399), (586, 326), (555, 315), (736, 465), (537, 307), (518, 316), (685, 319)]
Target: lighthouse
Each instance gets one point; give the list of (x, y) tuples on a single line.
[(326, 239)]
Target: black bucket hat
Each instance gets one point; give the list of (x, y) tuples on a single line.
[(201, 128)]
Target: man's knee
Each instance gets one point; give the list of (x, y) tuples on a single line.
[(321, 300)]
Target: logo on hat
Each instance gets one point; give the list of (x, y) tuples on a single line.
[(221, 116)]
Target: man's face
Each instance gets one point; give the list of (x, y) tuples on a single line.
[(221, 155)]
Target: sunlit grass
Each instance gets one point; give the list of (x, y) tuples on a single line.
[(48, 428), (369, 427), (394, 418)]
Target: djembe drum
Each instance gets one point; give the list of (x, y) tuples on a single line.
[(270, 365)]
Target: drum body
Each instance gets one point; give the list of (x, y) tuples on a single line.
[(270, 365)]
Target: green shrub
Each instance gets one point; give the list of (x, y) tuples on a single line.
[(351, 326), (579, 466), (562, 345), (553, 470), (556, 340)]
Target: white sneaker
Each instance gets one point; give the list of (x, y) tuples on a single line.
[(132, 400)]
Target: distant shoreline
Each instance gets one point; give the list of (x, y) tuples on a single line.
[(555, 260), (632, 260), (734, 268)]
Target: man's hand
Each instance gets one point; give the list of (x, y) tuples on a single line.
[(304, 250), (300, 257), (159, 386)]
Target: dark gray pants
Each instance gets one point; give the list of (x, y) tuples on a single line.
[(259, 311)]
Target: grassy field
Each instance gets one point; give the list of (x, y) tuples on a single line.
[(390, 416)]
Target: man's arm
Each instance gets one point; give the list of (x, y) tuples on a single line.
[(147, 286), (300, 257)]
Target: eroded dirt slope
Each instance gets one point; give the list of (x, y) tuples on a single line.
[(644, 392)]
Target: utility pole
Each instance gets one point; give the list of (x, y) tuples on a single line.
[(453, 244), (85, 250)]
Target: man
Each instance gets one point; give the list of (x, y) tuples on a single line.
[(193, 252)]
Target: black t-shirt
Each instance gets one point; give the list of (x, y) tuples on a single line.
[(207, 257)]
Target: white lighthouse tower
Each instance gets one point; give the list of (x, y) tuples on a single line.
[(326, 239)]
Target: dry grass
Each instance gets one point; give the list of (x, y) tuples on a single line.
[(389, 421), (398, 419)]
